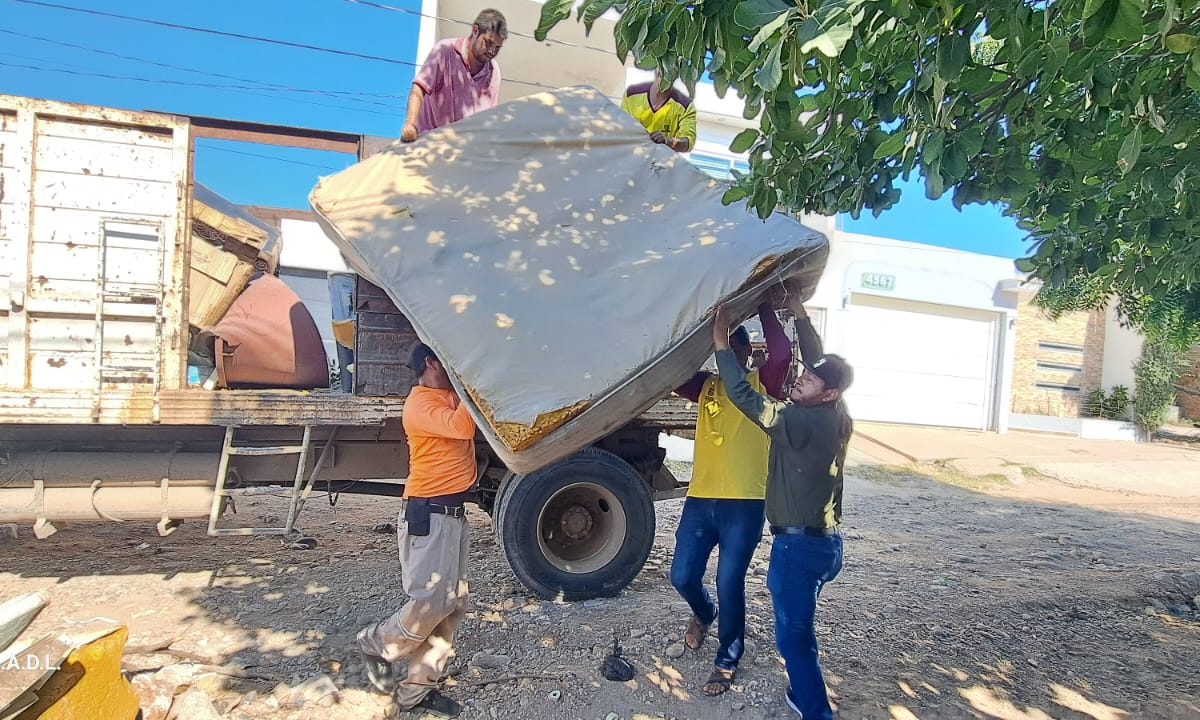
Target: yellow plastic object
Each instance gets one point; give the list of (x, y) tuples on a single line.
[(88, 685), (343, 333)]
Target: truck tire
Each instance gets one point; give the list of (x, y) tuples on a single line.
[(506, 484), (579, 529)]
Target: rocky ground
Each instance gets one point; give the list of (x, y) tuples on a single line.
[(960, 597)]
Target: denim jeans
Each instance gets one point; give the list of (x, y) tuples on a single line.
[(735, 527), (800, 567)]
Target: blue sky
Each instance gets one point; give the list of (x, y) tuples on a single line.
[(307, 88)]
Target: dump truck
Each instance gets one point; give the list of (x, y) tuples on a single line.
[(102, 241)]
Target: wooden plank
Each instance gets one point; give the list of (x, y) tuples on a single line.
[(21, 153), (200, 407), (212, 260), (109, 195), (64, 261), (249, 407), (82, 128), (78, 334), (177, 242), (78, 156), (68, 226), (52, 370), (93, 113), (264, 134), (209, 299)]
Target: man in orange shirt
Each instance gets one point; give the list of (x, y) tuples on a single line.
[(432, 531)]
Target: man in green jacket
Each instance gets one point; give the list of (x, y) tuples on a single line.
[(809, 435)]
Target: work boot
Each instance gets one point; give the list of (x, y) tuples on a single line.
[(379, 673), (437, 705)]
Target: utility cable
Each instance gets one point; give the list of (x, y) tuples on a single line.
[(254, 38)]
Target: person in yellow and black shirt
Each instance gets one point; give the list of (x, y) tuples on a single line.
[(725, 503), (668, 115)]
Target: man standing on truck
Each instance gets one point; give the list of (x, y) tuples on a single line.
[(724, 506), (668, 115), (460, 77), (432, 533), (809, 436)]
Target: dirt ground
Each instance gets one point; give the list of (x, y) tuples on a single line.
[(960, 597)]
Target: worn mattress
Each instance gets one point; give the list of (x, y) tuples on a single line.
[(562, 266)]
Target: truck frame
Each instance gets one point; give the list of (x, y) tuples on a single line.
[(97, 419)]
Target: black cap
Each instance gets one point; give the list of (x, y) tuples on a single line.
[(417, 357), (834, 371)]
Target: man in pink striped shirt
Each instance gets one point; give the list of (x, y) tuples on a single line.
[(459, 78)]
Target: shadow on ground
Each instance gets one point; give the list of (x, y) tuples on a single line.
[(952, 603)]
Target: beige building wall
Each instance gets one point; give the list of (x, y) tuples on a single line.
[(1057, 362), (1189, 377)]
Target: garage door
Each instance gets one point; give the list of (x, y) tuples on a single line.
[(920, 363)]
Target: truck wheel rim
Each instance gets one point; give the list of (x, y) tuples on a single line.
[(581, 528)]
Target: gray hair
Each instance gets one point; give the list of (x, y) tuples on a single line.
[(491, 21)]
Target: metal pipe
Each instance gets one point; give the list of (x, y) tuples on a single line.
[(76, 504)]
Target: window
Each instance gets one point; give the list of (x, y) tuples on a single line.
[(1060, 347), (1059, 367), (1071, 389), (719, 167)]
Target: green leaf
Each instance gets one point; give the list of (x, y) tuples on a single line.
[(935, 186), (1025, 265), (591, 10), (1170, 15), (768, 30), (753, 14), (1181, 43), (931, 152), (829, 28), (1130, 149), (743, 140), (952, 55), (734, 194), (954, 161), (1099, 16), (553, 12), (971, 140), (1129, 23), (892, 146), (771, 73)]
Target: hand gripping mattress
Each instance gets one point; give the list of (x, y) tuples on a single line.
[(562, 266)]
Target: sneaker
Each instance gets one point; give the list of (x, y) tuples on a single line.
[(437, 705), (792, 704)]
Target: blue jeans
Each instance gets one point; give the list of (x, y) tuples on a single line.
[(800, 567), (735, 526)]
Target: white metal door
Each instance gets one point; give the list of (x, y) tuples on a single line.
[(921, 363)]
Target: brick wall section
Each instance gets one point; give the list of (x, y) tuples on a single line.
[(1189, 405), (1033, 326)]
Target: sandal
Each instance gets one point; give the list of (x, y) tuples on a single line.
[(693, 638), (719, 682)]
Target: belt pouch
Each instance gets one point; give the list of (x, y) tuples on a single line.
[(416, 516)]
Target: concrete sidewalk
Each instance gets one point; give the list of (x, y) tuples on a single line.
[(1163, 469)]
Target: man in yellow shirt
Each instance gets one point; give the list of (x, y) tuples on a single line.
[(668, 115), (725, 503)]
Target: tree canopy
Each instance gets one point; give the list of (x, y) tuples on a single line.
[(1080, 117)]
